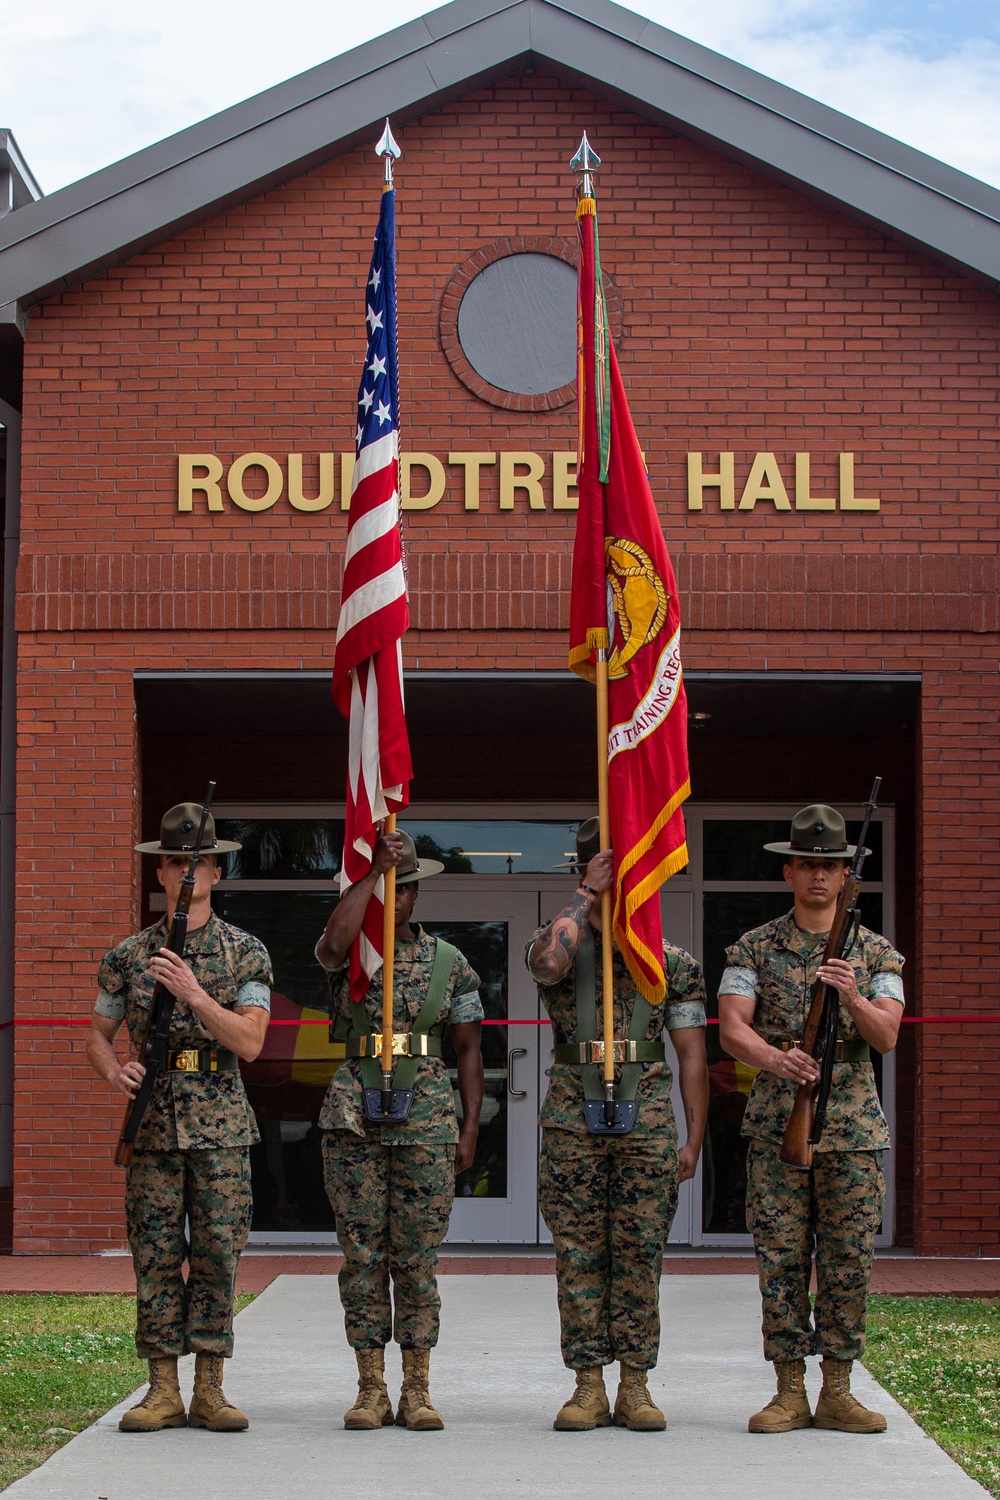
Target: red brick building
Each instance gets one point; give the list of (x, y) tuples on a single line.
[(808, 325)]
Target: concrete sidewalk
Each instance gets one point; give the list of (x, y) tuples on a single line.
[(498, 1380)]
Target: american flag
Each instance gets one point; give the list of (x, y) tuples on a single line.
[(368, 665)]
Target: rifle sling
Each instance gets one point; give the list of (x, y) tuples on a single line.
[(586, 1024), (405, 1071)]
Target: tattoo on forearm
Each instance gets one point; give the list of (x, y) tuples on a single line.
[(564, 932)]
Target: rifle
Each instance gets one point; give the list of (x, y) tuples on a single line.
[(819, 1035), (152, 1050)]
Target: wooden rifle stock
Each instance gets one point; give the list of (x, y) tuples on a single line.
[(152, 1049), (819, 1035)]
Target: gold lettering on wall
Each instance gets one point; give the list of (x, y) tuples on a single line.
[(188, 483), (237, 473), (564, 493), (724, 481), (511, 481), (848, 499), (436, 481), (472, 463), (505, 481), (764, 482), (296, 499)]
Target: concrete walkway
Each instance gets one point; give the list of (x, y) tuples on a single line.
[(498, 1380)]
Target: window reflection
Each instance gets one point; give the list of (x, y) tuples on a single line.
[(311, 848)]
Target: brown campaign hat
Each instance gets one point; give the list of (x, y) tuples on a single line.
[(588, 843), (411, 868), (817, 830), (179, 829)]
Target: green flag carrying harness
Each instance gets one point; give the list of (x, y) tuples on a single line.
[(426, 1025), (586, 1026)]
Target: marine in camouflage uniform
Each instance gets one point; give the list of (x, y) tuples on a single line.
[(191, 1156), (392, 1187), (609, 1200), (834, 1209)]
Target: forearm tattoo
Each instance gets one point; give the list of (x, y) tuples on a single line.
[(559, 943)]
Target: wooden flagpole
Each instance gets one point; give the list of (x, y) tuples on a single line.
[(585, 162), (388, 960), (607, 936)]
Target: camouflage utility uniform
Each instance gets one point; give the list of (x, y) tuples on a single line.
[(191, 1158), (836, 1207), (391, 1187), (608, 1200)]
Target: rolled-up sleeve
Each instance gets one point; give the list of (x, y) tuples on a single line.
[(739, 981), (112, 1007), (253, 992)]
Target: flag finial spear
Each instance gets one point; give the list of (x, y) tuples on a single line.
[(387, 147), (586, 162)]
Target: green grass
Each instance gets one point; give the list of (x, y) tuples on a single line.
[(940, 1358), (63, 1362)]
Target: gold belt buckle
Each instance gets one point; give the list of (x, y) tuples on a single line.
[(620, 1051), (400, 1044), (188, 1061)]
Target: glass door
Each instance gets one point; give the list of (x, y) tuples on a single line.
[(491, 921)]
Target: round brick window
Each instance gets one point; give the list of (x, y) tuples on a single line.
[(508, 322)]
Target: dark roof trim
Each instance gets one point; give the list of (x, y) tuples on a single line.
[(113, 214), (17, 182)]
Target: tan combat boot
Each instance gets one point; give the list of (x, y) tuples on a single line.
[(588, 1406), (415, 1409), (373, 1408), (161, 1406), (837, 1408), (210, 1407), (634, 1408), (789, 1409)]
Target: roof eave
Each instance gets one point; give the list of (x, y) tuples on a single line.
[(48, 246)]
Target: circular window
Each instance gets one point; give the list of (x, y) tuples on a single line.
[(508, 322), (496, 335), (517, 324)]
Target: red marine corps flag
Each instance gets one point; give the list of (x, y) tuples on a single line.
[(368, 666), (625, 626)]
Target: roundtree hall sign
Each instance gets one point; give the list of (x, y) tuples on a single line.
[(508, 481)]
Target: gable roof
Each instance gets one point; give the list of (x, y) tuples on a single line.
[(109, 216)]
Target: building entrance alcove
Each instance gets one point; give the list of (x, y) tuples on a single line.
[(503, 773)]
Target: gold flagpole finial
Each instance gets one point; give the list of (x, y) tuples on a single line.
[(585, 162), (387, 147)]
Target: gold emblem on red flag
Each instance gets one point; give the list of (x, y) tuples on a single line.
[(639, 597)]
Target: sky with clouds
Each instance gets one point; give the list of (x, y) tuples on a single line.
[(86, 82)]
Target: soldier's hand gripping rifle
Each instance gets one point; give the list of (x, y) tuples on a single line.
[(152, 1052), (819, 1035)]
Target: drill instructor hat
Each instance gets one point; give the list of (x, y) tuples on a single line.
[(588, 843), (410, 867), (179, 829), (817, 830)]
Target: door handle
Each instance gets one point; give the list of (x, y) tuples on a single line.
[(515, 1052)]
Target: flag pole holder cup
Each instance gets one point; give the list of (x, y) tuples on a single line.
[(400, 1102), (595, 1116)]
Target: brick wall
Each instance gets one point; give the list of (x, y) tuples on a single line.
[(753, 320)]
